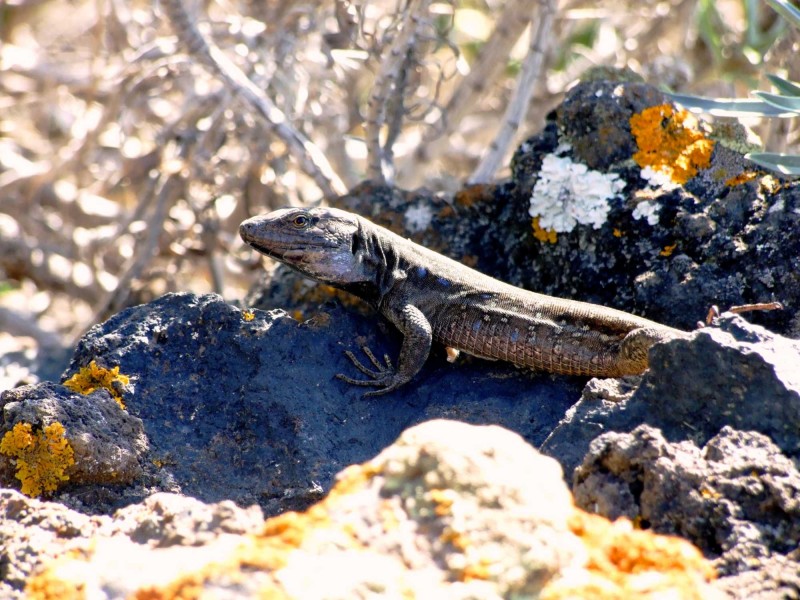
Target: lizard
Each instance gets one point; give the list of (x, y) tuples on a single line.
[(430, 297)]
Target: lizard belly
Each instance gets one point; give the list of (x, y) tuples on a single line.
[(535, 342)]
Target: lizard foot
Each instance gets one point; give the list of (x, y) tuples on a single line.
[(385, 376)]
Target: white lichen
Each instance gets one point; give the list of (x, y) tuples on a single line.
[(777, 207), (418, 218), (568, 193), (648, 210), (658, 179)]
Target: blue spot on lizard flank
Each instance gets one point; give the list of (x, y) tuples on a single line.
[(442, 281), (422, 271), (514, 335), (476, 326)]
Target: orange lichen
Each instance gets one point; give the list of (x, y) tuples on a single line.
[(93, 377), (474, 194), (41, 456), (709, 493), (269, 549), (741, 178), (443, 500), (457, 539), (46, 586), (670, 142), (668, 250), (618, 562), (248, 315), (480, 570), (627, 563), (543, 235), (770, 184)]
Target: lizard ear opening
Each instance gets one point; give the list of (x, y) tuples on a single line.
[(357, 241)]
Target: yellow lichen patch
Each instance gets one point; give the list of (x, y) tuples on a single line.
[(770, 184), (388, 515), (41, 456), (668, 250), (443, 500), (741, 178), (543, 235), (670, 142), (42, 587), (627, 563), (352, 479), (474, 194), (93, 377), (46, 585), (480, 570), (617, 232), (248, 315), (269, 549), (457, 539)]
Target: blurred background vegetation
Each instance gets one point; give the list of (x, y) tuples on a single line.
[(127, 163)]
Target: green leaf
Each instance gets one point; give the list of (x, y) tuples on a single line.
[(788, 164), (789, 88), (787, 11), (789, 103), (730, 107)]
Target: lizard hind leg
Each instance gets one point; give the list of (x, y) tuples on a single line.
[(385, 374), (635, 347)]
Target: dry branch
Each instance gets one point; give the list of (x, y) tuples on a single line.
[(19, 259), (532, 69), (387, 82), (171, 184), (311, 159), (489, 64)]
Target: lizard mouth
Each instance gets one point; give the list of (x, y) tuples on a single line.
[(292, 253), (263, 250)]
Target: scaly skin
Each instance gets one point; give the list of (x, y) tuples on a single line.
[(430, 297)]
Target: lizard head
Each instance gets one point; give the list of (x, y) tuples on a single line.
[(318, 242)]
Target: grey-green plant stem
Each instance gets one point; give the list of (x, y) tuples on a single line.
[(491, 61), (520, 101), (386, 81), (311, 159)]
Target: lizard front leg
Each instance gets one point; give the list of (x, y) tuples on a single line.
[(417, 340)]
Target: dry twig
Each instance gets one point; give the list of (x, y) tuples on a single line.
[(532, 69), (489, 64), (389, 81), (311, 159)]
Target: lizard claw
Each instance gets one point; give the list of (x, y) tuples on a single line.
[(384, 376), (382, 369)]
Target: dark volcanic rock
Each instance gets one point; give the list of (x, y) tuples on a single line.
[(34, 533), (232, 404), (108, 443), (738, 499), (594, 117), (250, 410), (447, 511), (726, 237), (738, 374)]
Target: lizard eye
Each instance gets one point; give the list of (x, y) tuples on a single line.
[(300, 221)]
